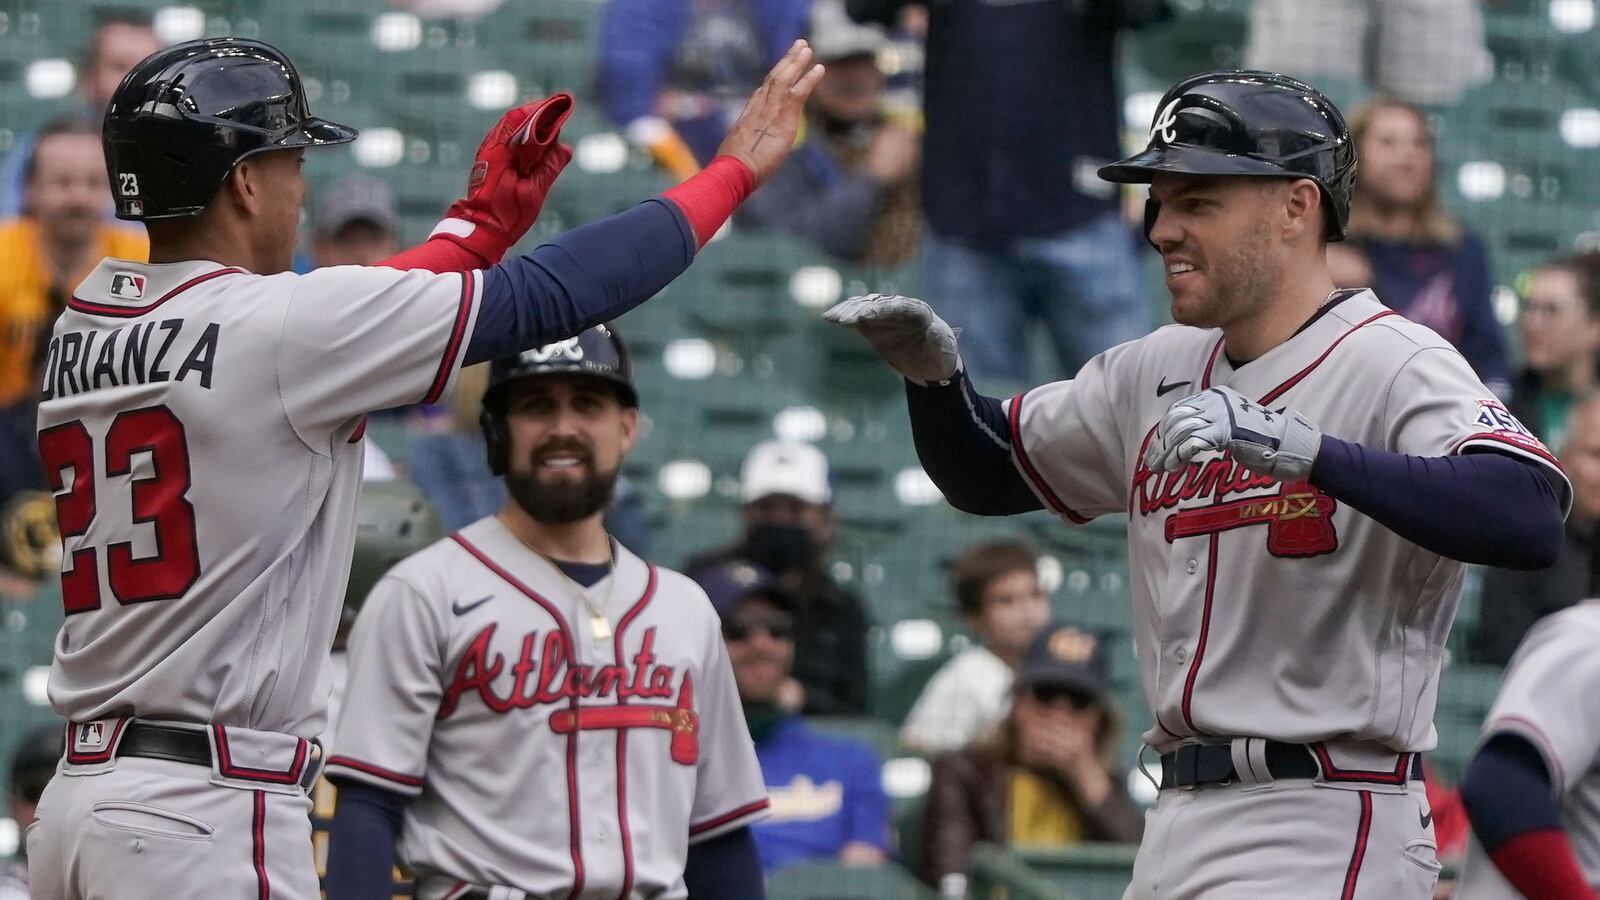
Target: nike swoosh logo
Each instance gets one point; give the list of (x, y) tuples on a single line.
[(1427, 818), (462, 609), (1164, 388)]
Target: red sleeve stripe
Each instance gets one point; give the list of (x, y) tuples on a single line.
[(129, 312), (725, 818), (1014, 424), (458, 335), (356, 765), (1509, 442)]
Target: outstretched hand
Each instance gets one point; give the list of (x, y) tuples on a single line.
[(904, 331), (765, 130)]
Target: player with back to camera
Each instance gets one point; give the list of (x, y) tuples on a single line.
[(201, 423), (1306, 474)]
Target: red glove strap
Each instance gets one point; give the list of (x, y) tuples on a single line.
[(709, 198), (1540, 864), (438, 255)]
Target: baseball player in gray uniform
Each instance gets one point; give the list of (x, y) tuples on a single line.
[(531, 709), (201, 425), (1304, 473), (1532, 790)]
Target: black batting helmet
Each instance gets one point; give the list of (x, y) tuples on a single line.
[(598, 352), (393, 521), (181, 119), (1249, 123)]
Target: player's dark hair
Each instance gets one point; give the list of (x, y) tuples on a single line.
[(982, 564), (54, 128)]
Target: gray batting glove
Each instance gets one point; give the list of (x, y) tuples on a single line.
[(1280, 445), (905, 333)]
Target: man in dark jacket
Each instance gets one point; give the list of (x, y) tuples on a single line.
[(1022, 108)]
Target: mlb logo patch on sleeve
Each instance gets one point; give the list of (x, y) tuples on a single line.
[(127, 286)]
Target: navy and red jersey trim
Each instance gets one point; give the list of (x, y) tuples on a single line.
[(574, 819), (1014, 427), (227, 769), (258, 845), (1540, 452), (731, 816), (366, 768), (1331, 772), (458, 334), (92, 308), (1529, 730), (622, 737), (1296, 378), (1205, 630), (1359, 851)]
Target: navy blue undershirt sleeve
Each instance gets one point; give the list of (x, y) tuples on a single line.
[(1506, 791), (1484, 508), (960, 437), (725, 866), (591, 274), (361, 839)]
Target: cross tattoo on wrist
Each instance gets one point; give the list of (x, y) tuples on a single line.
[(759, 135)]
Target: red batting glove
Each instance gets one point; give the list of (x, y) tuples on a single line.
[(516, 165)]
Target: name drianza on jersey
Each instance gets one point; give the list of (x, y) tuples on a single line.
[(141, 353)]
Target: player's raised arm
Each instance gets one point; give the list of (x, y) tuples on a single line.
[(962, 437), (599, 271)]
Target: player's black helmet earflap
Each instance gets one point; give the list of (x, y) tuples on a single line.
[(181, 119), (1249, 123), (598, 351), (393, 521)]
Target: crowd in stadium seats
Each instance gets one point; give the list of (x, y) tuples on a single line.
[(981, 193)]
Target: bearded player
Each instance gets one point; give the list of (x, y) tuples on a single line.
[(532, 710), (1306, 474), (201, 428)]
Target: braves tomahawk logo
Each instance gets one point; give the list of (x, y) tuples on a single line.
[(548, 677), (1299, 518)]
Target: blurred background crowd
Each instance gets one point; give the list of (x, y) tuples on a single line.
[(939, 702)]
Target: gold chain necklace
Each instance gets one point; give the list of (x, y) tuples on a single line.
[(599, 625)]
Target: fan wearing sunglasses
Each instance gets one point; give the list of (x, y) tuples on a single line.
[(1045, 776), (827, 798)]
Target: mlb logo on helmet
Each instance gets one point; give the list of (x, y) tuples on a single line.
[(127, 285)]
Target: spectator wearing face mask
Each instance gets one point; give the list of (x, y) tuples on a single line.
[(788, 521)]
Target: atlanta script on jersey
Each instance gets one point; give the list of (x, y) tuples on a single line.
[(539, 756), (1260, 608)]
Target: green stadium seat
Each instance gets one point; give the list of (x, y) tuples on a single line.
[(832, 882)]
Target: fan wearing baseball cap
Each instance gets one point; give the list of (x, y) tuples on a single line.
[(1046, 776), (786, 493)]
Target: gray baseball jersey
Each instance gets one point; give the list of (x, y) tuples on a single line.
[(540, 755), (1551, 697), (1259, 608), (201, 428)]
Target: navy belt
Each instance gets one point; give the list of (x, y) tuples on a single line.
[(1200, 765)]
